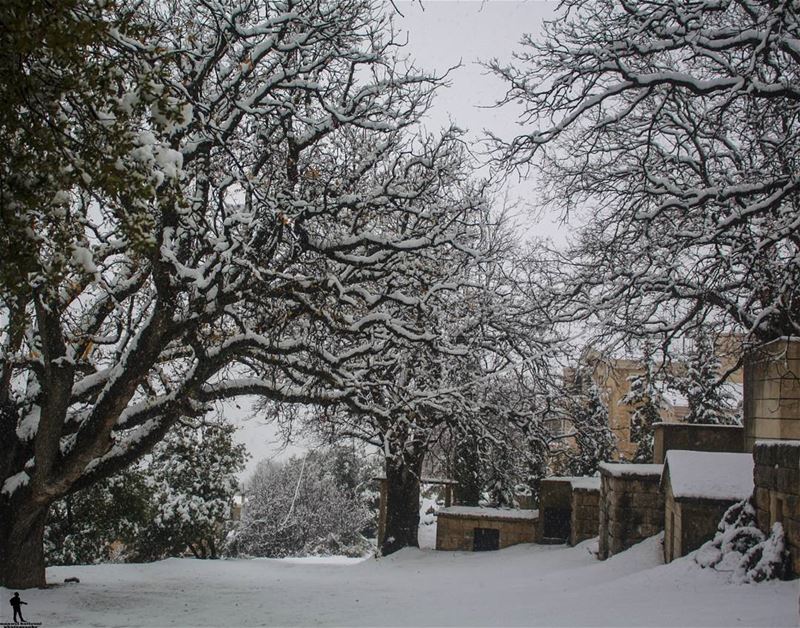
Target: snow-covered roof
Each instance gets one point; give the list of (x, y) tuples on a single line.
[(619, 470), (422, 480), (488, 513), (709, 475), (776, 442), (592, 484)]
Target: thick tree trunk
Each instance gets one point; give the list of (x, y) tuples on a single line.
[(402, 502), (22, 546)]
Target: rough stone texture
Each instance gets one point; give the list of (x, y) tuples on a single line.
[(457, 532), (555, 502), (772, 393), (585, 515), (694, 437), (689, 522), (777, 494), (631, 508)]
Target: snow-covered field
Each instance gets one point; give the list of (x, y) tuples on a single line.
[(533, 585)]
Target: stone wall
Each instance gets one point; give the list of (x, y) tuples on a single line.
[(694, 437), (772, 393), (457, 532), (631, 506), (777, 491), (585, 515)]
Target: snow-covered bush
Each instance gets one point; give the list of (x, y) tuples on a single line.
[(741, 548), (193, 472), (317, 504), (100, 523), (179, 497)]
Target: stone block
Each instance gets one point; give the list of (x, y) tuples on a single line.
[(794, 554), (764, 476), (762, 498), (791, 528), (647, 500), (787, 480), (763, 456), (649, 529), (791, 506)]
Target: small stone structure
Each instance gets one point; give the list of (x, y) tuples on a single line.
[(772, 392), (585, 509), (777, 491), (555, 509), (631, 506), (699, 487), (471, 528), (695, 437)]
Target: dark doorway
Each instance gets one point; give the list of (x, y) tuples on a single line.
[(486, 539), (557, 523)]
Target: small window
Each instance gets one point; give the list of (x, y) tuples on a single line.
[(486, 539)]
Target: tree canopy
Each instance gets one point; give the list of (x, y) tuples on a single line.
[(671, 128), (234, 203)]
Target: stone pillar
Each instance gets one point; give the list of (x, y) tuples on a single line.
[(776, 476), (772, 393), (631, 506), (696, 437)]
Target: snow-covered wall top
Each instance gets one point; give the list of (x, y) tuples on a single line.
[(775, 442), (716, 426), (619, 470), (488, 513), (592, 484), (709, 475)]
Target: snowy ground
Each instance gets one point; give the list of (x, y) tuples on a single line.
[(533, 585)]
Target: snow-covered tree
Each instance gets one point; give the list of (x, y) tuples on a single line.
[(671, 130), (259, 222), (592, 439), (193, 475), (701, 383), (477, 383), (646, 397), (593, 436), (316, 504)]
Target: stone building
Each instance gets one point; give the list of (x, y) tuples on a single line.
[(777, 491), (772, 393), (699, 487), (696, 437), (612, 376), (471, 528), (631, 506)]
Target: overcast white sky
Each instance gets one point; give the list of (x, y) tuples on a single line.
[(442, 34)]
